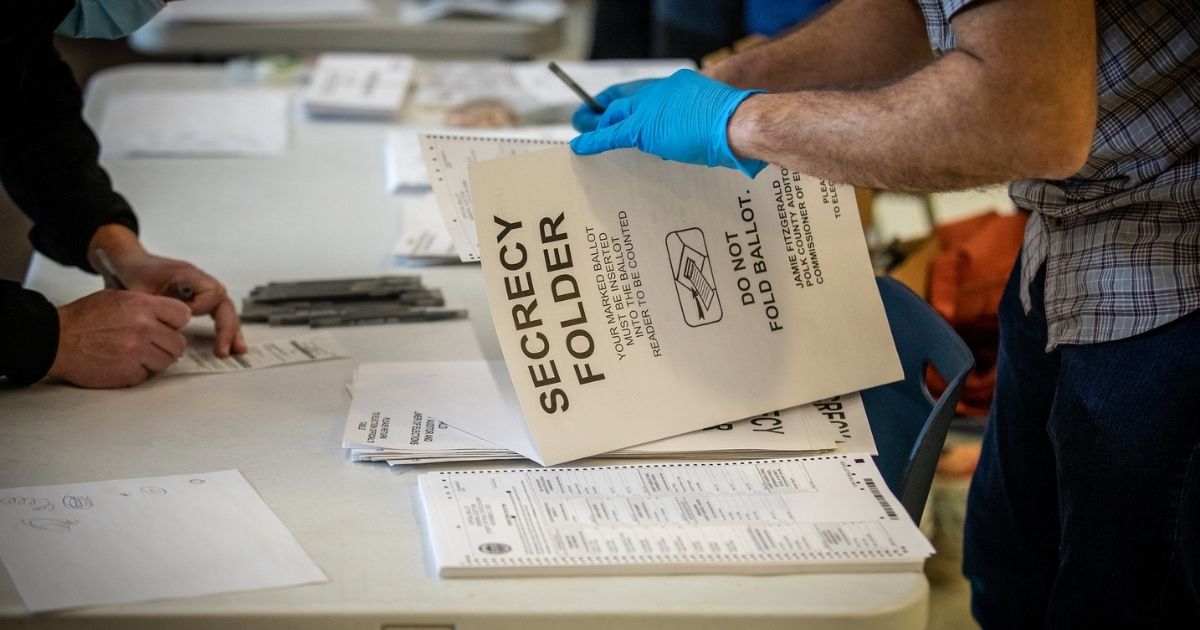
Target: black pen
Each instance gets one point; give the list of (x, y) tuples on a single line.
[(587, 98), (107, 271), (182, 291)]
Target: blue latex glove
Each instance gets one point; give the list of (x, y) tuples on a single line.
[(587, 119), (682, 118)]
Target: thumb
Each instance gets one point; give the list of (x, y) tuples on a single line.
[(601, 140)]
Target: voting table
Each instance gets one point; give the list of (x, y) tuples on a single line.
[(322, 211)]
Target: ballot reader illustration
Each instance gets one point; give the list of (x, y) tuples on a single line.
[(694, 282)]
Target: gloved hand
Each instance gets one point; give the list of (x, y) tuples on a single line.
[(587, 119), (681, 118)]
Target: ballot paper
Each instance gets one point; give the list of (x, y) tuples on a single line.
[(423, 237), (636, 298), (831, 513), (195, 123), (404, 166), (132, 540), (447, 157), (266, 11), (384, 422), (199, 357), (593, 76), (358, 85)]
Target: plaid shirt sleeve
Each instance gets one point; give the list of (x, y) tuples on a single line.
[(1120, 239)]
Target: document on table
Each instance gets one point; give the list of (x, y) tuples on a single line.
[(592, 76), (132, 540), (636, 298), (423, 237), (445, 84), (404, 165), (447, 157), (829, 513), (392, 418), (195, 123), (358, 85), (199, 357)]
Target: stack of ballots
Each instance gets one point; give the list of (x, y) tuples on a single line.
[(386, 422)]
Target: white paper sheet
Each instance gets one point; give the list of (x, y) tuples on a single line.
[(423, 237), (404, 166), (196, 123), (447, 157), (593, 76), (487, 408), (132, 540), (823, 513), (199, 357), (358, 85), (383, 423)]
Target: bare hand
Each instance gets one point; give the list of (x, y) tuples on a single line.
[(147, 273), (118, 338)]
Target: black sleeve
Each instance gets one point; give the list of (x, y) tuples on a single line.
[(47, 153), (29, 340)]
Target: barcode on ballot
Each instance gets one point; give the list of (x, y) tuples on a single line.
[(883, 503)]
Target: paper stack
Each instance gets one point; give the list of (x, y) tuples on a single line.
[(358, 85), (387, 422)]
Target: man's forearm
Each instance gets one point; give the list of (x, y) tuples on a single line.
[(853, 44), (1018, 100)]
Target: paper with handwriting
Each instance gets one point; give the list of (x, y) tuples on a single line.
[(132, 540)]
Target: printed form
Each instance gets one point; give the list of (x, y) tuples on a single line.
[(199, 357), (824, 513)]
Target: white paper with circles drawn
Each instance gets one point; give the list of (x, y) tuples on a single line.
[(132, 540)]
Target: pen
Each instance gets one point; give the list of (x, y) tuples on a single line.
[(106, 269), (180, 290), (587, 98)]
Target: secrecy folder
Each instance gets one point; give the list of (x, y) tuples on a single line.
[(636, 298)]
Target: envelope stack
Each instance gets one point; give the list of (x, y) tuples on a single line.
[(384, 424)]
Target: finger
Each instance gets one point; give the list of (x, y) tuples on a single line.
[(206, 295), (169, 311), (134, 375), (618, 111), (239, 344), (614, 92), (585, 118), (154, 358), (228, 327), (601, 140), (170, 341)]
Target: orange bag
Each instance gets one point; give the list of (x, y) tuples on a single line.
[(966, 281)]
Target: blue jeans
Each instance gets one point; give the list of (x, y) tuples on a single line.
[(1084, 511)]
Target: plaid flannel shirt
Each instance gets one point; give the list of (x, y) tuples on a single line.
[(1120, 239)]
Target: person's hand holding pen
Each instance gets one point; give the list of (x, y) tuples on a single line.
[(121, 338)]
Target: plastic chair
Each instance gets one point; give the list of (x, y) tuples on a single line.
[(908, 424)]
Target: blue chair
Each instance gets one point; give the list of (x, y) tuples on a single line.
[(908, 424)]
